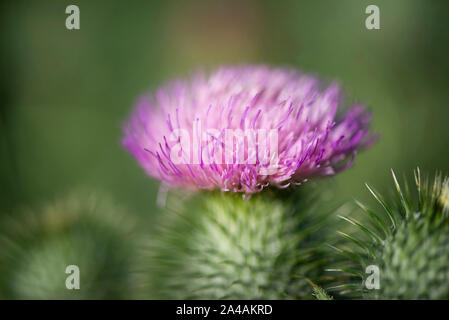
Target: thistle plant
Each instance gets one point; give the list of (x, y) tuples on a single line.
[(220, 246), (84, 230), (408, 242), (242, 130)]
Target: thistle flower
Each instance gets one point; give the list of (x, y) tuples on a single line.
[(409, 245), (244, 128)]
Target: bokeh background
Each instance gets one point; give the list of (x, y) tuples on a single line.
[(66, 93)]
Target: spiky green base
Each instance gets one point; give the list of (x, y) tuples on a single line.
[(86, 231), (219, 246), (409, 244)]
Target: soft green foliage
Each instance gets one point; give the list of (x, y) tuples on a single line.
[(220, 246), (83, 230), (409, 243)]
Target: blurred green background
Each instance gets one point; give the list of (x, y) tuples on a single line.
[(66, 93)]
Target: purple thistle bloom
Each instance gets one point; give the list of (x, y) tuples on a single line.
[(181, 134)]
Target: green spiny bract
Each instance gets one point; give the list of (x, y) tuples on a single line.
[(318, 292), (220, 246), (409, 243), (83, 230)]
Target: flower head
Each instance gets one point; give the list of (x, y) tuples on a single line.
[(244, 128)]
